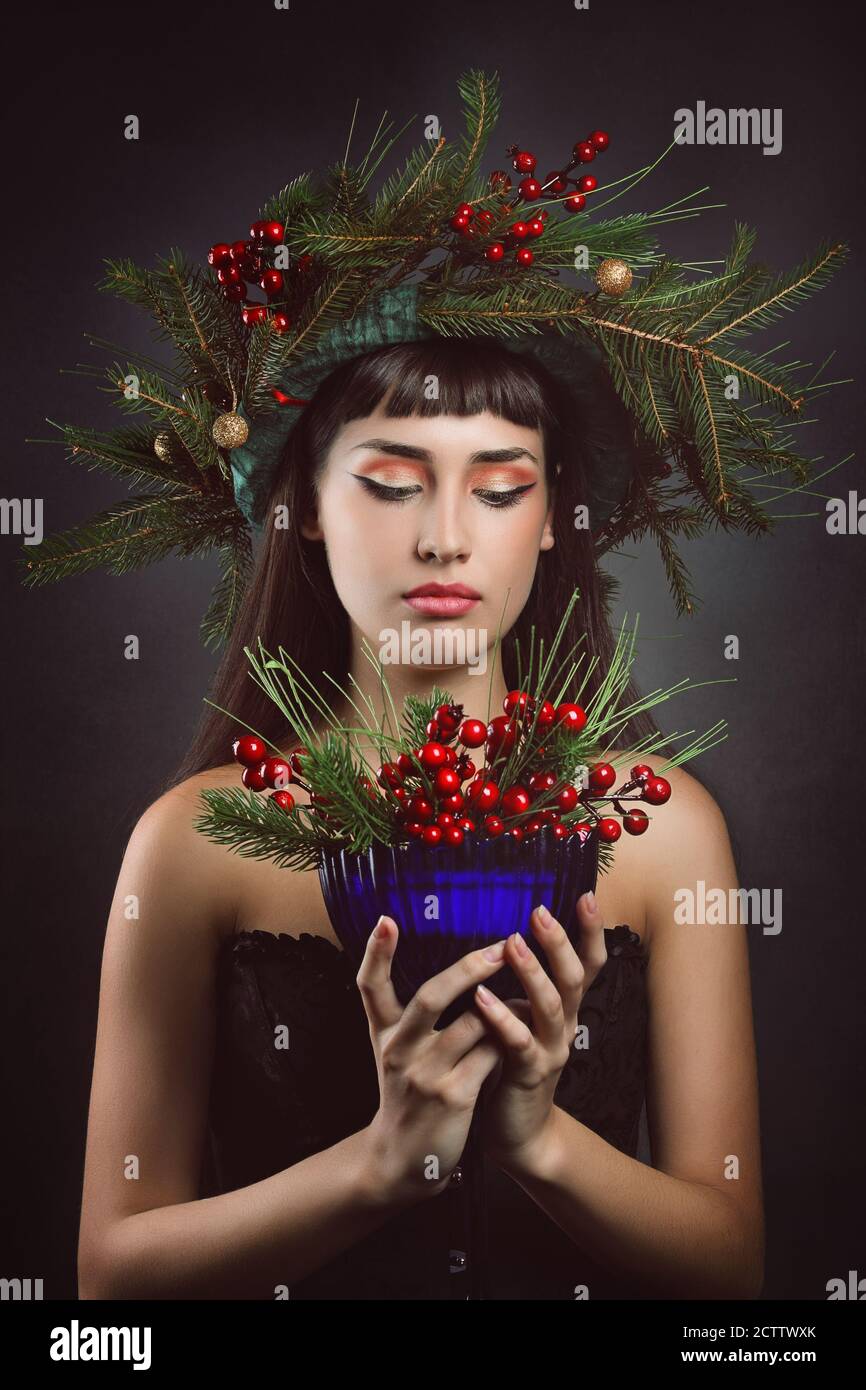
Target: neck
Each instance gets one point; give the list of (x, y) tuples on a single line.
[(462, 684)]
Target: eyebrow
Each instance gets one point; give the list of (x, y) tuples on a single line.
[(411, 451)]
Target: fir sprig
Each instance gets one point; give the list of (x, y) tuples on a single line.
[(336, 769)]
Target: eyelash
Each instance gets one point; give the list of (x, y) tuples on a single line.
[(399, 494)]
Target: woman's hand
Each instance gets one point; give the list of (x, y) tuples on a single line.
[(535, 1034)]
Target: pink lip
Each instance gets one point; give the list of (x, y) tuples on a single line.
[(442, 600), (441, 605)]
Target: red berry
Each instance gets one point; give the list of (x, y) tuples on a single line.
[(454, 835), (524, 256), (432, 728), (389, 775), (516, 833), (254, 313), (466, 824), (257, 232), (533, 825), (641, 771), (229, 275), (656, 791), (520, 701), (280, 322), (536, 226), (546, 715), (575, 202), (276, 772), (501, 736), (459, 222), (296, 761), (453, 803), (540, 783), (586, 183), (431, 834), (465, 768), (635, 822), (600, 139), (495, 251), (444, 820), (415, 829), (283, 799), (583, 830), (249, 749), (560, 832), (433, 755), (515, 801), (464, 210), (253, 778), (601, 777), (493, 825), (519, 229), (609, 829), (524, 162), (567, 798), (407, 765), (448, 718), (571, 717), (472, 733), (272, 233), (219, 254), (529, 189), (585, 151), (420, 808), (482, 795), (272, 282), (446, 781)]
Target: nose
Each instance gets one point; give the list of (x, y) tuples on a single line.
[(443, 533)]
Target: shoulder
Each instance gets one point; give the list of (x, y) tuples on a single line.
[(687, 839), (191, 874)]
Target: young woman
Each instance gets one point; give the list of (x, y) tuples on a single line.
[(220, 1165)]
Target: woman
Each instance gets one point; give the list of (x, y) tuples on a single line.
[(313, 1181)]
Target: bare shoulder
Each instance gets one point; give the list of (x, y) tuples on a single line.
[(191, 867), (687, 839)]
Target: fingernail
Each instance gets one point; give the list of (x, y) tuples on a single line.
[(494, 952), (380, 931), (544, 915), (522, 948), (483, 994), (590, 902)]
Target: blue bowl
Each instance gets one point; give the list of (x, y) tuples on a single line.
[(448, 900)]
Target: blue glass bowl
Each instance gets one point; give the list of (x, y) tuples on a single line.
[(448, 900)]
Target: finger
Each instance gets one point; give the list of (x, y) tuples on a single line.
[(453, 1042), (566, 968), (591, 945), (469, 1075), (440, 990), (512, 1032), (550, 1010), (374, 976)]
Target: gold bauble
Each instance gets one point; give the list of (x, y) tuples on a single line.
[(230, 431), (613, 276), (162, 446)]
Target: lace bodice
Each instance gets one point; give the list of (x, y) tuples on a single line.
[(271, 1107)]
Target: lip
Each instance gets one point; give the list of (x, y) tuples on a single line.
[(442, 600)]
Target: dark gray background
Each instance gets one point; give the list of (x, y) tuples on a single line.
[(234, 101)]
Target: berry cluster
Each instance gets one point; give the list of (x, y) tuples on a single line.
[(436, 793), (471, 224), (239, 264)]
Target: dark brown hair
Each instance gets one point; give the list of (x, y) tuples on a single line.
[(291, 600)]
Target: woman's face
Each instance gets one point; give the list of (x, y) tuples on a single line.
[(439, 500)]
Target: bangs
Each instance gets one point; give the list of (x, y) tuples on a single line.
[(447, 376)]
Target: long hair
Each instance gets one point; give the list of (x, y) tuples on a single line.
[(291, 600)]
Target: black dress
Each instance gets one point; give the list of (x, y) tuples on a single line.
[(272, 1107)]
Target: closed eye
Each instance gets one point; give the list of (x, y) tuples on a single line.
[(490, 497)]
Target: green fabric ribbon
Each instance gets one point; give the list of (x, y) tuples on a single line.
[(392, 317)]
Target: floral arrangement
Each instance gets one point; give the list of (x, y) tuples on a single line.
[(544, 765)]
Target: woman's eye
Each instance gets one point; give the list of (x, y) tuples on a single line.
[(503, 499), (387, 494)]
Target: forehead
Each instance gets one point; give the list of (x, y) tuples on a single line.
[(442, 436)]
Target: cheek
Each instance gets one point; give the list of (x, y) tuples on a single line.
[(360, 545)]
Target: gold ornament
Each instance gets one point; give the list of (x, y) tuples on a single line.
[(230, 431), (613, 277), (162, 446)]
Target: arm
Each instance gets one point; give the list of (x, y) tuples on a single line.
[(150, 1236), (682, 1228)]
